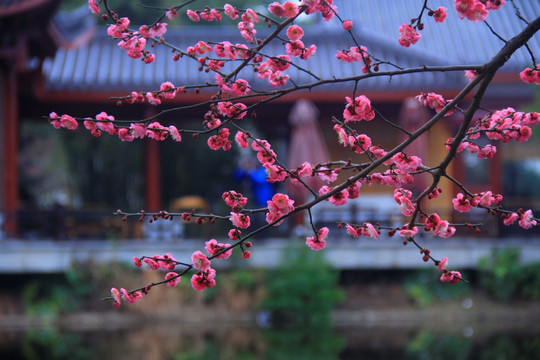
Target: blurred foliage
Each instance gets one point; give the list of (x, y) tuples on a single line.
[(504, 277), (427, 346), (303, 290), (53, 344), (58, 295), (317, 341), (424, 288)]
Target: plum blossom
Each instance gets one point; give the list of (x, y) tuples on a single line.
[(93, 6), (203, 280), (359, 109), (318, 242), (173, 279), (409, 36), (452, 277), (509, 219), (214, 248), (193, 16), (347, 25), (295, 32), (440, 14), (200, 261), (461, 203), (239, 220), (406, 231), (443, 264), (531, 76), (443, 229), (527, 220), (116, 297)]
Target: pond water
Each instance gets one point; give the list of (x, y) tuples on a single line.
[(158, 339)]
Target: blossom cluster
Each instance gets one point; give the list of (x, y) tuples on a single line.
[(476, 10)]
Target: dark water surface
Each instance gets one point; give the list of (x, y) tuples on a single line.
[(160, 339)]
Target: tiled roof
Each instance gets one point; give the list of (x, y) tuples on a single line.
[(459, 41), (101, 65)]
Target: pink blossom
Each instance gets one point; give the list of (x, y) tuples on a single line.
[(68, 122), (305, 170), (282, 203), (250, 16), (409, 36), (531, 76), (360, 143), (274, 173), (295, 48), (351, 231), (168, 91), (119, 29), (203, 280), (309, 52), (487, 152), (174, 133), (276, 9), (153, 98), (318, 242), (93, 6), (131, 297), (452, 277), (527, 220), (440, 14), (151, 263), (157, 131), (405, 231), (171, 14), (432, 221), (234, 234), (200, 261), (354, 190), (241, 139), (295, 32), (193, 16), (158, 29), (246, 254), (461, 203), (327, 174), (369, 230), (173, 279), (230, 11), (290, 10), (105, 123), (233, 198), (138, 130), (443, 229), (240, 220), (443, 264), (125, 135), (359, 109), (116, 297), (470, 74), (509, 219), (278, 79), (137, 262), (347, 25), (213, 248), (166, 262)]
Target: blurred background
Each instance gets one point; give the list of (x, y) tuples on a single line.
[(61, 249)]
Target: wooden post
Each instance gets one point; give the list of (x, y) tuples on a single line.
[(153, 172), (10, 141)]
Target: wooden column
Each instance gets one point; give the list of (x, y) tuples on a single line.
[(10, 141), (153, 172)]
